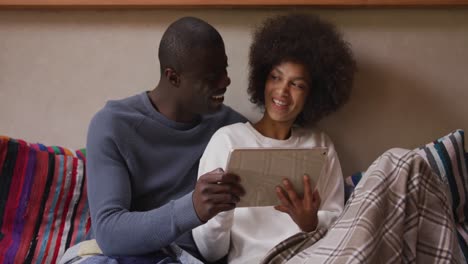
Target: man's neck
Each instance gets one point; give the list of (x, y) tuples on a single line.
[(165, 104)]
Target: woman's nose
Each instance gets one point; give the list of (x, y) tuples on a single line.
[(284, 88)]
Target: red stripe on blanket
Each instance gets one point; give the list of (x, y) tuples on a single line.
[(19, 221), (88, 224), (13, 198)]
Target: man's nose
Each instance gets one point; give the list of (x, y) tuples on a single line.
[(225, 81)]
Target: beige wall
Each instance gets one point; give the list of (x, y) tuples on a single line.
[(58, 67)]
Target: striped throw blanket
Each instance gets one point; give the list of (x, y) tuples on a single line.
[(43, 207), (398, 213), (446, 156)]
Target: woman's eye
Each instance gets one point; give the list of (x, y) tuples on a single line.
[(274, 77), (299, 85)]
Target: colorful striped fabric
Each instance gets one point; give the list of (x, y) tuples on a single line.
[(43, 201), (446, 156)]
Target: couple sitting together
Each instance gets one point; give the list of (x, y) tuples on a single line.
[(157, 189)]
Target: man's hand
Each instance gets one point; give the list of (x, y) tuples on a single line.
[(302, 210), (215, 192)]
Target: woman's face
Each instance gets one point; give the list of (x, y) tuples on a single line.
[(286, 90)]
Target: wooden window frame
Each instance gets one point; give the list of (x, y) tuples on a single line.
[(228, 3)]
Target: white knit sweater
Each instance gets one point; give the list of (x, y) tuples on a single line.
[(247, 234)]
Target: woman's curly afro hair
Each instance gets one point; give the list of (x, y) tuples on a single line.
[(308, 40)]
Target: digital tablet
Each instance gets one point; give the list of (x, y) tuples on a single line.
[(262, 169)]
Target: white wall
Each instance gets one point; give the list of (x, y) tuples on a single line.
[(58, 67)]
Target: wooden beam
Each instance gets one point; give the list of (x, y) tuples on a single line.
[(224, 3)]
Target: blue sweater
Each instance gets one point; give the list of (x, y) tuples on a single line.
[(142, 169)]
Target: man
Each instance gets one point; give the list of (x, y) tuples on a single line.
[(143, 151)]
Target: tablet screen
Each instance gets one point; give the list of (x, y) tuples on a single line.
[(262, 169)]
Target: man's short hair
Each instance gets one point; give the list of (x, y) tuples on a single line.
[(183, 40)]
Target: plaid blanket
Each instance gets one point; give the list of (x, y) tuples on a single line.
[(398, 213)]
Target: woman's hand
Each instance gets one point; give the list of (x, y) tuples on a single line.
[(302, 210)]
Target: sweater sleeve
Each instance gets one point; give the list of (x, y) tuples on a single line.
[(117, 229), (332, 190), (213, 237)]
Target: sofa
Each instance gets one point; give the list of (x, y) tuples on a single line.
[(43, 199)]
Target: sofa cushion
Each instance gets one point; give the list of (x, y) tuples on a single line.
[(43, 202), (350, 183)]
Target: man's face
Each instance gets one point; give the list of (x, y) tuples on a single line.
[(206, 81)]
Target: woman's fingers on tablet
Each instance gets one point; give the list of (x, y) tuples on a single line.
[(282, 208), (308, 194), (293, 196), (283, 197), (307, 187)]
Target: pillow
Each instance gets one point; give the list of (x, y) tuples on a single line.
[(447, 158), (43, 201)]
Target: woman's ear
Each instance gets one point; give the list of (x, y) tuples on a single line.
[(172, 76)]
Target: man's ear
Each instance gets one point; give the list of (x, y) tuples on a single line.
[(172, 76)]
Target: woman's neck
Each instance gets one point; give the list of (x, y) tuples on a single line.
[(273, 129)]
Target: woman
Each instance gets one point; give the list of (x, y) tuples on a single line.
[(300, 71)]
